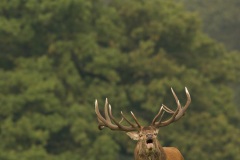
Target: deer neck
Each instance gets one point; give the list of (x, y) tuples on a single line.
[(143, 153)]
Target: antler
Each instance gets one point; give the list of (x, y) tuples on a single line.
[(176, 115), (109, 118)]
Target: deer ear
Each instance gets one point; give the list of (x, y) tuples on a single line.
[(133, 135)]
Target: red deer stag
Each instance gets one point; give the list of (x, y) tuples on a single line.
[(148, 147)]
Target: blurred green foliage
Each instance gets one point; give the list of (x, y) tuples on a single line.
[(220, 19), (57, 57)]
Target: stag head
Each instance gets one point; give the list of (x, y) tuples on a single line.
[(148, 147), (148, 144)]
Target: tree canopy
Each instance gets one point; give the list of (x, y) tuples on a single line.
[(220, 19), (57, 57)]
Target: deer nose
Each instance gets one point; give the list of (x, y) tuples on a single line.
[(149, 136)]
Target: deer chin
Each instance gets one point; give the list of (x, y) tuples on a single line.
[(150, 146)]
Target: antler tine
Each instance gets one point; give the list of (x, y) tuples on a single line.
[(135, 118), (160, 112), (167, 122), (189, 98), (102, 122), (176, 98), (160, 119), (121, 120), (106, 110), (122, 127), (177, 114), (127, 120), (167, 109), (113, 118), (109, 118), (183, 109)]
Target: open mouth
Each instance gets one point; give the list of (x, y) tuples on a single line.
[(149, 144), (149, 141)]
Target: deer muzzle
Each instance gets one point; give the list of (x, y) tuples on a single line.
[(149, 141)]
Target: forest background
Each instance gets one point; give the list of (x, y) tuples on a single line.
[(57, 57)]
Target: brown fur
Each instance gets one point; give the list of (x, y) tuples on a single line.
[(172, 153)]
